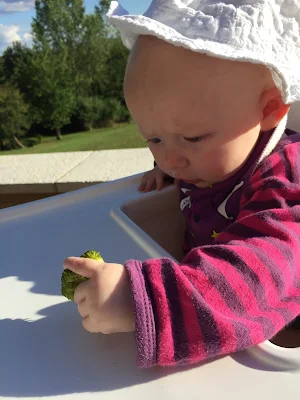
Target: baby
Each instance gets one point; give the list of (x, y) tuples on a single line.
[(218, 126)]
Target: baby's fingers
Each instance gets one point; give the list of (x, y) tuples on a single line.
[(143, 183), (83, 309), (89, 326), (159, 182), (142, 187), (80, 292), (150, 184)]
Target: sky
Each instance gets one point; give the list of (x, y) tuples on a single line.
[(16, 16)]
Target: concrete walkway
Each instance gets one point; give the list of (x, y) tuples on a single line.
[(61, 172)]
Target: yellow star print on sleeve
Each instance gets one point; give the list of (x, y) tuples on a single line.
[(215, 235)]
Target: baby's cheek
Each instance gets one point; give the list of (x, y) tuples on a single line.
[(212, 166), (226, 168), (217, 170)]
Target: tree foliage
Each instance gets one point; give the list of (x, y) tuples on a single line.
[(14, 120), (73, 71)]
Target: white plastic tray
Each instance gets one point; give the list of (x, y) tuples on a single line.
[(44, 350)]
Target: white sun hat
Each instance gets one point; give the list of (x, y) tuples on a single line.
[(259, 31)]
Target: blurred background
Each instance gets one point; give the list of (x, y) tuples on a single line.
[(61, 72), (64, 123), (61, 90)]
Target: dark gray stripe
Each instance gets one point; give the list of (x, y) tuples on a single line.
[(291, 165), (270, 182), (144, 327), (292, 203), (296, 282), (243, 231), (154, 308), (266, 169), (242, 333), (248, 275), (288, 255), (259, 291), (264, 205), (277, 275), (286, 164), (287, 233), (208, 327), (181, 345), (280, 224), (221, 284), (248, 193), (266, 324)]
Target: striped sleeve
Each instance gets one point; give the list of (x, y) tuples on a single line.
[(235, 293)]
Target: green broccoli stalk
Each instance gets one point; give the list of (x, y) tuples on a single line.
[(70, 280)]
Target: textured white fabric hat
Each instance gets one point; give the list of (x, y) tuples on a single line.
[(259, 31)]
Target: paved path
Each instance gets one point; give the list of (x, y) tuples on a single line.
[(61, 172)]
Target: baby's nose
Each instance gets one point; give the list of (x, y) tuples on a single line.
[(175, 160)]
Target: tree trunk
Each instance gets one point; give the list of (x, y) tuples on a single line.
[(59, 136), (19, 143)]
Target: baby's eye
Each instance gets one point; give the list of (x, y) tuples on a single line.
[(195, 139), (154, 140)]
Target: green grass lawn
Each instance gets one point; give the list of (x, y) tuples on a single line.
[(121, 137)]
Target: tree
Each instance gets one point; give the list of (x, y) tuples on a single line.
[(13, 115), (89, 110), (16, 60), (96, 101), (103, 7), (57, 31), (18, 72), (58, 23), (53, 91), (2, 75), (115, 68), (74, 71), (93, 49)]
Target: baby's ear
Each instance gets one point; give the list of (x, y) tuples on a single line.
[(273, 109)]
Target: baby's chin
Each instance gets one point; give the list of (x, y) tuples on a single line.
[(203, 185)]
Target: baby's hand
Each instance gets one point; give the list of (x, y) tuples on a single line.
[(104, 300), (152, 180)]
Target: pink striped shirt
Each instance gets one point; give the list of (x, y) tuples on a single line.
[(239, 282)]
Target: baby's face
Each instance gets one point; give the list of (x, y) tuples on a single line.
[(200, 115)]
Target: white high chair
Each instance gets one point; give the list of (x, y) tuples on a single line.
[(44, 350)]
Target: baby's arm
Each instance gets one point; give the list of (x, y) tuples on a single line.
[(233, 294)]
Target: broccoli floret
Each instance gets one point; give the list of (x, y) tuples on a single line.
[(92, 254), (70, 280)]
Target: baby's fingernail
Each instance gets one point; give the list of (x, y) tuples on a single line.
[(67, 262)]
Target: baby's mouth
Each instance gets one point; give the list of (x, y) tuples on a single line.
[(194, 182)]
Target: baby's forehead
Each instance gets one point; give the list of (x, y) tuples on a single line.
[(165, 77), (152, 50)]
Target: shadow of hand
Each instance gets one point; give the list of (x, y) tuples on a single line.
[(55, 356)]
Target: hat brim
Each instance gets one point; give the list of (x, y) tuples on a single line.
[(132, 26)]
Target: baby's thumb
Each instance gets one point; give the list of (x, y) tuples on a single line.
[(81, 266)]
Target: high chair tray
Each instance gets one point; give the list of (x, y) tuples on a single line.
[(45, 352)]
